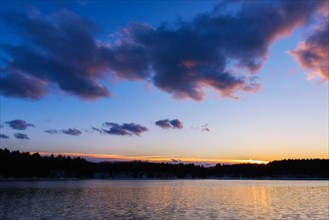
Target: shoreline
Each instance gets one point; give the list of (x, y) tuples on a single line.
[(211, 178)]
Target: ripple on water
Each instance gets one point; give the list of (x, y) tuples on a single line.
[(164, 199)]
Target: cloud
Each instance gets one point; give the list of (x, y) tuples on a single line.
[(313, 53), (22, 85), (176, 161), (163, 123), (97, 130), (220, 50), (176, 123), (166, 123), (21, 136), (70, 131), (126, 129), (59, 50), (53, 131), (19, 124), (4, 136), (205, 127)]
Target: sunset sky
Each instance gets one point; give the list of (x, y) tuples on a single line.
[(212, 81)]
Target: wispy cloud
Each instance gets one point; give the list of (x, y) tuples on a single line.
[(126, 129), (70, 131), (205, 128), (97, 130), (53, 131), (21, 136), (4, 136), (19, 124)]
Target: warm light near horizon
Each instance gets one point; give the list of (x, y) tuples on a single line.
[(159, 159)]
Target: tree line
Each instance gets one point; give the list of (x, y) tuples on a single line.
[(16, 164)]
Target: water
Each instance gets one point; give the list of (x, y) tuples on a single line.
[(164, 199)]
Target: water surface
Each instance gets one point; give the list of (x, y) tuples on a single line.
[(164, 199)]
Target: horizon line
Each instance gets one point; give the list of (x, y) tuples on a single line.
[(152, 158)]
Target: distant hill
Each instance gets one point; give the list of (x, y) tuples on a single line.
[(16, 164)]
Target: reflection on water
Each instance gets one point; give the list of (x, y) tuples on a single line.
[(164, 199)]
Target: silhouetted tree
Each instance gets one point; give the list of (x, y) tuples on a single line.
[(16, 164)]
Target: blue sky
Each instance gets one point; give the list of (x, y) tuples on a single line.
[(272, 105)]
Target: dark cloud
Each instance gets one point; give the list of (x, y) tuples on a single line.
[(313, 53), (163, 123), (97, 130), (70, 131), (59, 49), (166, 123), (176, 123), (22, 86), (4, 136), (205, 127), (21, 136), (134, 128), (19, 124), (52, 131), (218, 50), (124, 129)]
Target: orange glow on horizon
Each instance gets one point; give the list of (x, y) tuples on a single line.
[(158, 158)]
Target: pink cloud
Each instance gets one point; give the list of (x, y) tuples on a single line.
[(313, 53)]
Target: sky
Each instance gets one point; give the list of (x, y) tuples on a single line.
[(173, 81)]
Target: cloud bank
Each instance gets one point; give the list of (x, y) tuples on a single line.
[(220, 50), (19, 124), (59, 50)]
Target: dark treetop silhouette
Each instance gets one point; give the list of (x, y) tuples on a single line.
[(16, 164)]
